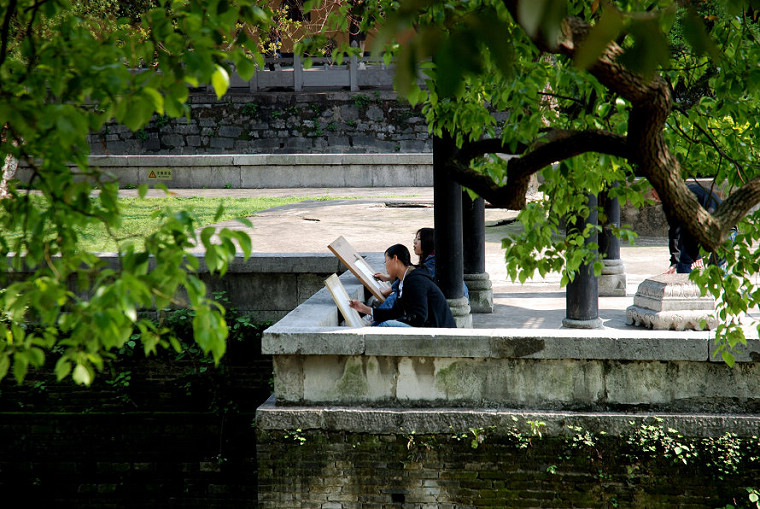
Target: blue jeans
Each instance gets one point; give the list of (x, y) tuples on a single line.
[(393, 323)]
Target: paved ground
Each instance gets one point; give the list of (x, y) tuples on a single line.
[(374, 218)]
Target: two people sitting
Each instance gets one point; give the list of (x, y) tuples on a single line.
[(419, 301), (424, 248)]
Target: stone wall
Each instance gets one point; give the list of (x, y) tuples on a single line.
[(501, 417), (483, 468), (277, 123), (268, 285)]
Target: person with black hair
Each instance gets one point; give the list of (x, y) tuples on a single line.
[(420, 303), (424, 248)]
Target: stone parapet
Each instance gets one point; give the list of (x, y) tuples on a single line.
[(268, 285), (318, 362)]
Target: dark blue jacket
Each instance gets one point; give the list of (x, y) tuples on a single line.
[(420, 304)]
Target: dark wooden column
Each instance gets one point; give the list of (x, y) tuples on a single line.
[(474, 240), (447, 215), (581, 295), (612, 281), (474, 234)]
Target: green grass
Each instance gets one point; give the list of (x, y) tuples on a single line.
[(137, 221)]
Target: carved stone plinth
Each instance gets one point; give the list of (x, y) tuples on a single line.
[(612, 282), (671, 302), (481, 292), (460, 308)]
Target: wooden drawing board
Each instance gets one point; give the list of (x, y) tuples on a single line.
[(346, 253), (340, 296)]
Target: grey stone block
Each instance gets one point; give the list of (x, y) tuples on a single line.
[(221, 143), (173, 140), (447, 420), (227, 131), (424, 342)]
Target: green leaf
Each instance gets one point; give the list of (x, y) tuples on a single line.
[(83, 375), (606, 29), (695, 32), (5, 363), (220, 80), (62, 368), (245, 242)]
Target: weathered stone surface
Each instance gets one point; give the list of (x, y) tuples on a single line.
[(460, 309), (612, 281), (480, 291), (272, 416)]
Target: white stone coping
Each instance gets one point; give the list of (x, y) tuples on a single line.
[(260, 263), (270, 416), (312, 329), (224, 160)]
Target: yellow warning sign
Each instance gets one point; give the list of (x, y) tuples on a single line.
[(160, 174)]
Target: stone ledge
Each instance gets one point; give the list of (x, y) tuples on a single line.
[(270, 416), (223, 160)]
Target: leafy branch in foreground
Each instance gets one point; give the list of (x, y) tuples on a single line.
[(63, 74)]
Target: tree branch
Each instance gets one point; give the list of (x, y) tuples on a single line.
[(5, 33), (556, 145)]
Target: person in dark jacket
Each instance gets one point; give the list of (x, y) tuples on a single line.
[(684, 248), (420, 302)]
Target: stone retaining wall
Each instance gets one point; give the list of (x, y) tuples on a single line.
[(276, 123), (269, 285), (483, 467), (267, 171)]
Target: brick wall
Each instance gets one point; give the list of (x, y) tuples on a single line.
[(170, 431), (340, 470)]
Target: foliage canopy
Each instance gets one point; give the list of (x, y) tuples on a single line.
[(66, 68)]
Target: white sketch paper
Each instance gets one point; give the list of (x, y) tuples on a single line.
[(340, 296)]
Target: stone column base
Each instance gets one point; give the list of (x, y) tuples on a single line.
[(594, 323), (671, 302), (460, 308), (612, 282), (481, 292)]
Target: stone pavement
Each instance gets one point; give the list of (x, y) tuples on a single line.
[(372, 219)]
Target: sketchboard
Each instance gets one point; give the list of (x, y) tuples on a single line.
[(346, 253), (340, 296)]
